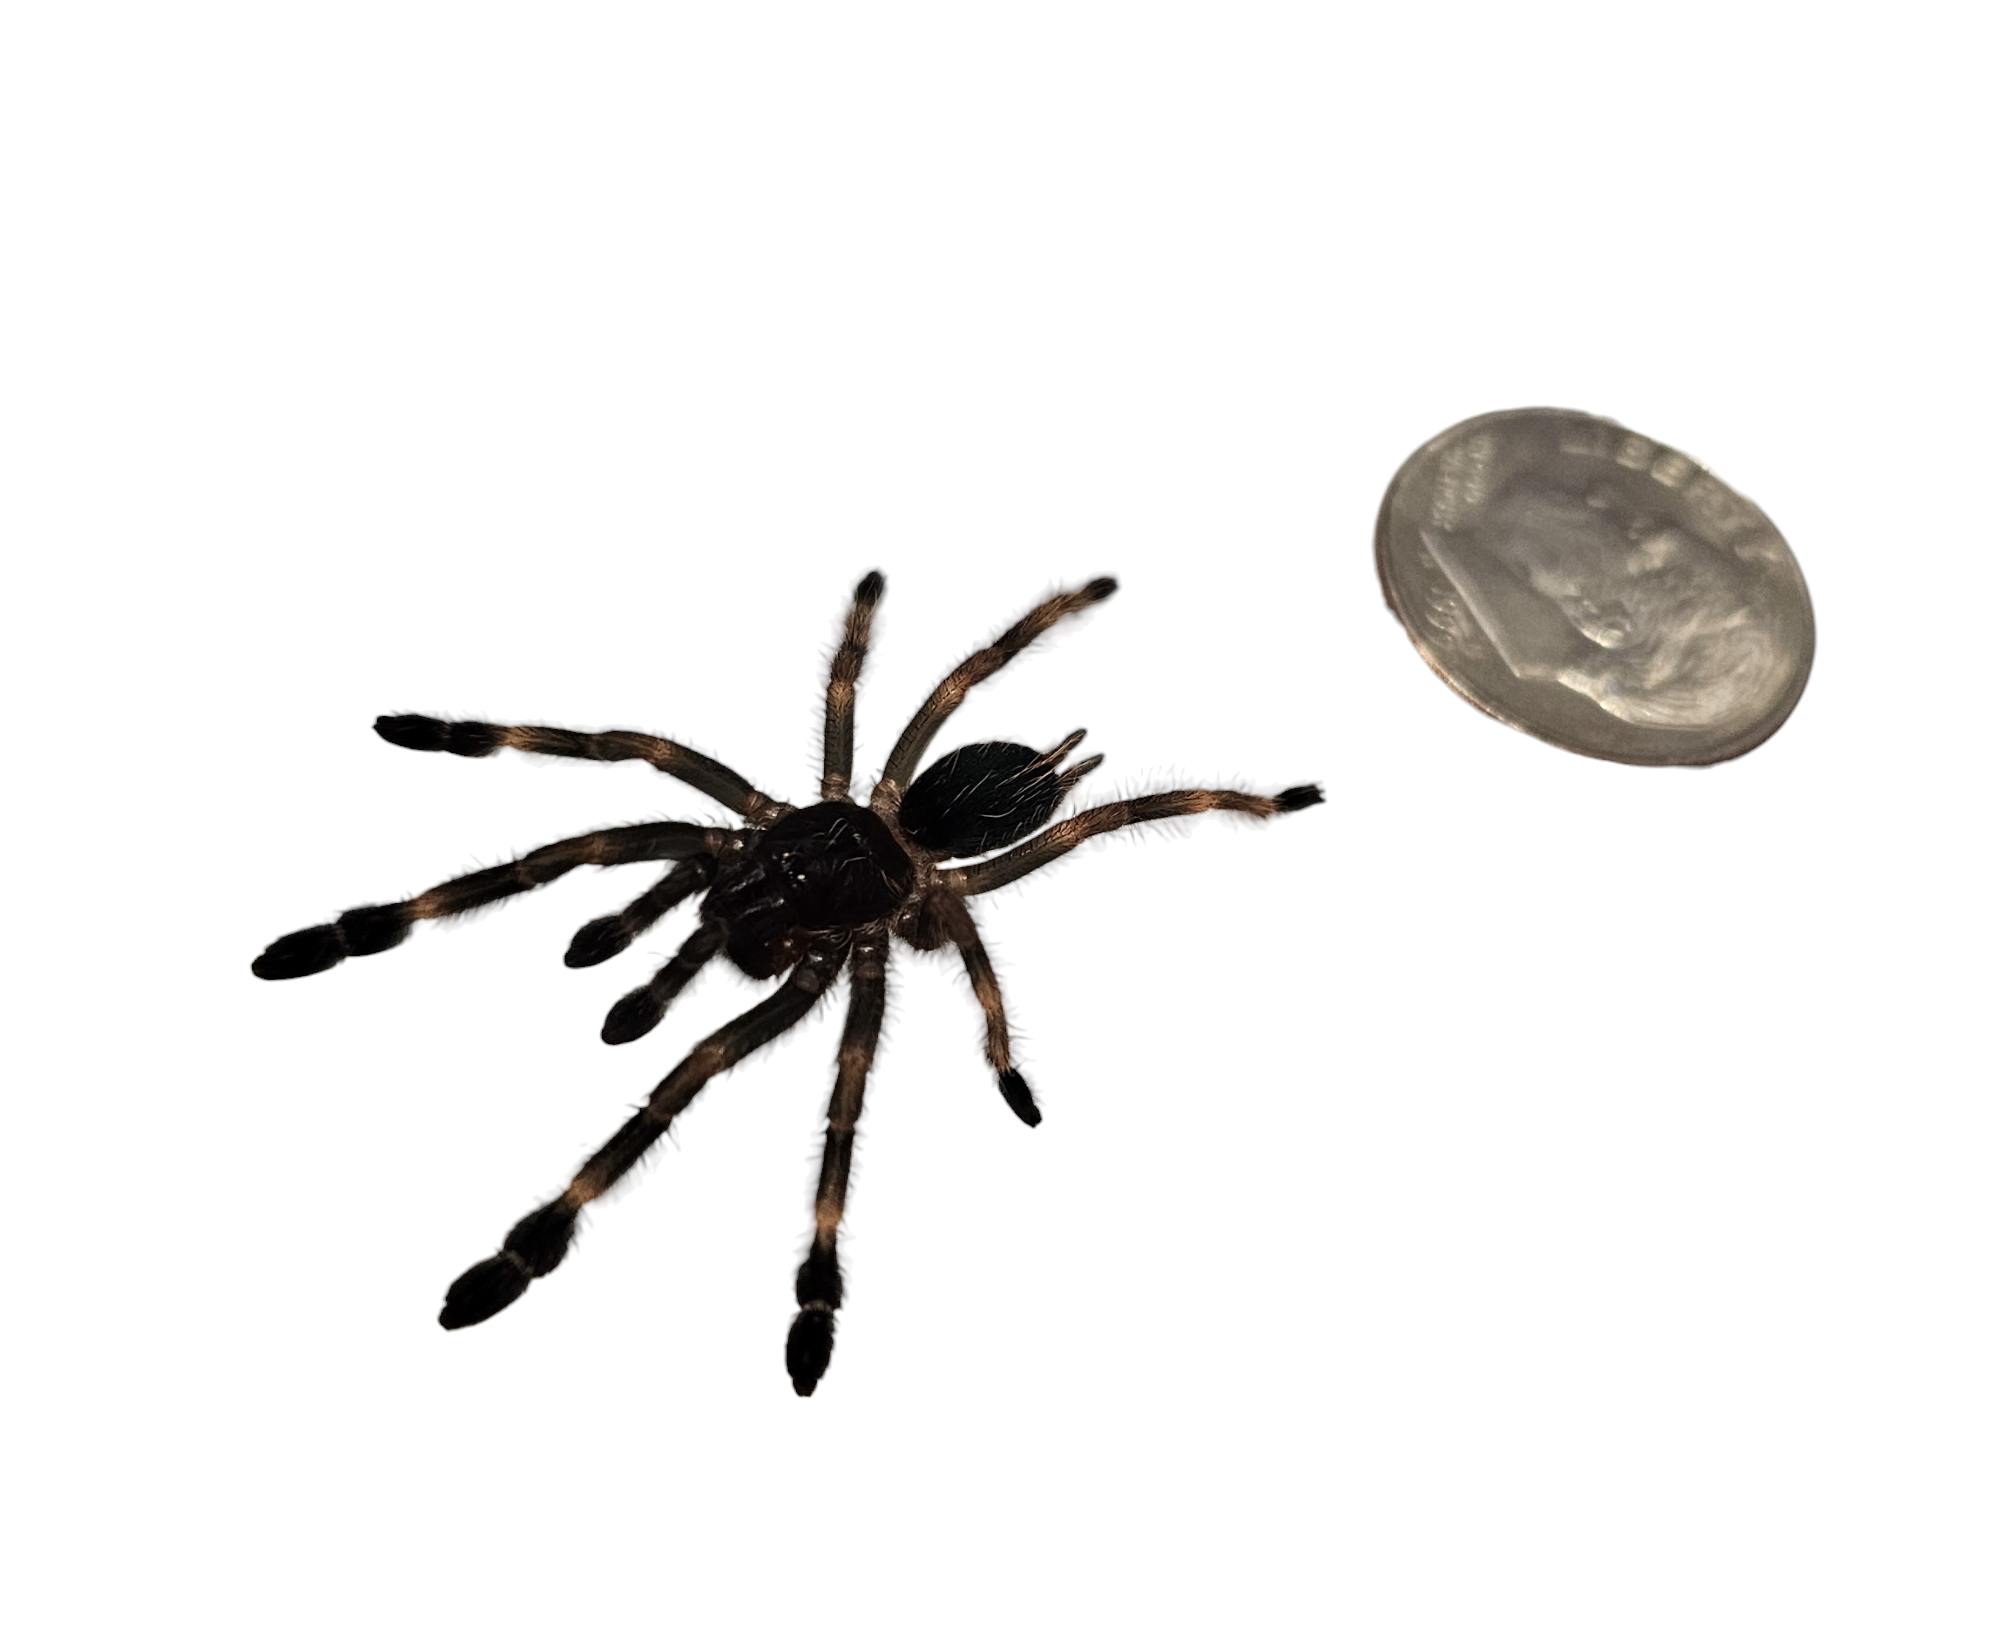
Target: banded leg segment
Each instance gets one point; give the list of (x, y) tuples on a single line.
[(953, 916), (1064, 835), (606, 937), (637, 1011), (976, 668), (809, 1345), (704, 773), (838, 767), (536, 1244), (370, 929)]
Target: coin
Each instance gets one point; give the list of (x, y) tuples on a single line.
[(1595, 588)]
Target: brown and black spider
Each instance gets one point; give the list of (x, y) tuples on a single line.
[(801, 892)]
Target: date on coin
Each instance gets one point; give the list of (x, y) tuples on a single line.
[(1595, 588)]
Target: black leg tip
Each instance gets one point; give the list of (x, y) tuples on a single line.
[(540, 1239), (483, 1291), (631, 1016), (819, 1278), (596, 942), (412, 733), (870, 588), (373, 929), (809, 1349), (1100, 589), (1014, 1088), (310, 950), (1299, 796), (433, 734)]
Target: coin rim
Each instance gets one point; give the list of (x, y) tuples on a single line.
[(1730, 749)]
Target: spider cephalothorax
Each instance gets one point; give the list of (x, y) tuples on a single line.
[(803, 892)]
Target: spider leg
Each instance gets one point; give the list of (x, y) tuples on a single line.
[(1064, 835), (536, 1244), (604, 938), (976, 668), (637, 1011), (372, 928), (809, 1344), (705, 774), (954, 918), (841, 678)]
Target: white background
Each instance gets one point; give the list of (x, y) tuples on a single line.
[(1523, 1196)]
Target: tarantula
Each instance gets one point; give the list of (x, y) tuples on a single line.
[(801, 892)]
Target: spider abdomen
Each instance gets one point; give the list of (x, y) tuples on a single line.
[(981, 797), (831, 866)]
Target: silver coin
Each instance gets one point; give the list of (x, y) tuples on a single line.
[(1595, 588)]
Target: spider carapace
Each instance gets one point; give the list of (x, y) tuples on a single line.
[(798, 892)]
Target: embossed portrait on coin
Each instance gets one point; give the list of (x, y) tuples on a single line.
[(1656, 626)]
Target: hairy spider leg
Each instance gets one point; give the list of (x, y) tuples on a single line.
[(844, 673), (976, 668), (1064, 835), (809, 1344), (604, 938), (535, 1245), (369, 929), (951, 914), (704, 773), (637, 1011)]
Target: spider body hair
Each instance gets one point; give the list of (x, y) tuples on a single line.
[(799, 895)]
